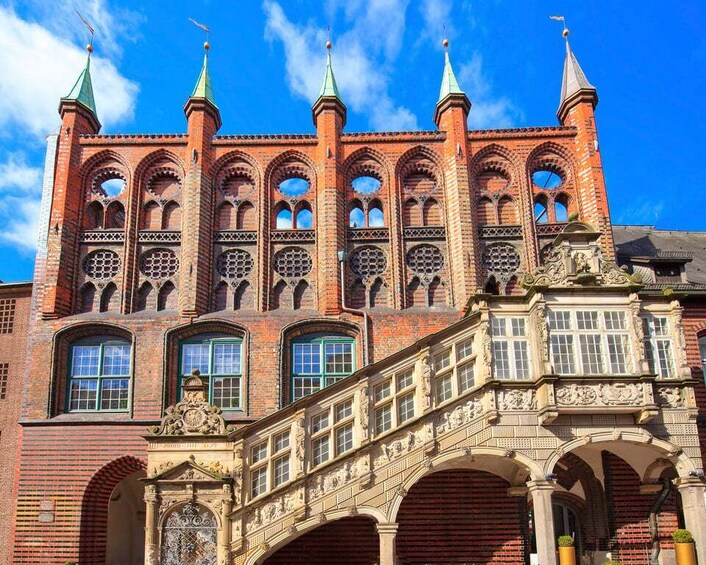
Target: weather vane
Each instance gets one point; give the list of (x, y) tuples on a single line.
[(206, 45), (565, 33), (89, 47)]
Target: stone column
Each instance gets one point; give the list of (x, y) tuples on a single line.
[(224, 532), (151, 521), (691, 490), (387, 532), (541, 492)]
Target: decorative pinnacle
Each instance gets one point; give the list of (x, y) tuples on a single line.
[(329, 45), (206, 45), (89, 48), (445, 43)]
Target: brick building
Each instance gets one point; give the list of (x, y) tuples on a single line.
[(507, 381)]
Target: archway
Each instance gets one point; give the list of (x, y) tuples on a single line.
[(348, 541), (459, 516), (126, 522), (94, 507)]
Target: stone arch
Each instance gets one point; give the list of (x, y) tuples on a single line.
[(486, 212), (146, 297), (171, 216), (246, 216), (95, 162), (356, 214), (304, 298), (232, 162), (495, 158), (507, 210), (199, 501), (114, 217), (375, 216), (94, 215), (227, 218), (513, 466), (412, 213), (283, 217), (431, 213), (244, 296), (660, 448), (290, 163), (220, 297), (301, 210), (174, 336), (151, 216), (553, 157), (355, 165), (167, 298), (94, 506), (110, 298), (153, 159), (417, 152), (276, 542)]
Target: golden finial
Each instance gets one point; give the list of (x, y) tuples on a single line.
[(445, 43), (206, 44), (89, 47), (565, 32), (329, 45)]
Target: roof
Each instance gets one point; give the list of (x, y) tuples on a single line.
[(449, 84), (203, 84), (329, 88), (574, 78), (649, 244), (82, 90)]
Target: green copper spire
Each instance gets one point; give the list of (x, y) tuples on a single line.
[(82, 91), (203, 84), (328, 87), (449, 84)]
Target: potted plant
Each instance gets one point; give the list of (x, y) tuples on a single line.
[(684, 547), (567, 553)]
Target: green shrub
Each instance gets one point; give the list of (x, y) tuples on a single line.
[(682, 536), (565, 541)]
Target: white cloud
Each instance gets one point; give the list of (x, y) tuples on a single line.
[(436, 15), (21, 223), (488, 111), (361, 56), (16, 173), (36, 64)]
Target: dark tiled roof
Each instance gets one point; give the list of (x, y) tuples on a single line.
[(664, 245)]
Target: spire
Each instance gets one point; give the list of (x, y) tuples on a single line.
[(203, 84), (82, 91), (450, 93), (329, 87), (449, 84), (329, 97), (574, 84)]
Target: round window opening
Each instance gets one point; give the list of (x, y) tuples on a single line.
[(295, 186), (113, 187), (366, 185), (546, 179)]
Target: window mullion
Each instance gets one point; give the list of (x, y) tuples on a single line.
[(99, 384)]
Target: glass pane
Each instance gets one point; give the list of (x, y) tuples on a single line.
[(307, 359), (497, 326), (466, 377), (195, 356), (344, 439), (319, 422), (559, 320), (116, 360), (563, 354), (281, 441), (501, 359), (405, 379), (591, 354), (83, 394), (442, 360), (405, 408), (464, 349), (344, 410), (320, 449), (226, 392), (259, 481), (444, 389), (383, 419), (281, 470), (114, 393), (614, 320), (339, 358), (259, 452), (304, 386), (226, 358), (522, 366), (381, 391), (587, 320), (518, 327), (84, 360), (618, 348)]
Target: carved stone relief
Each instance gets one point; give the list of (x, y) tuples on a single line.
[(615, 394), (516, 399), (459, 416)]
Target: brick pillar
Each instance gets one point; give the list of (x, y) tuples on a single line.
[(541, 492), (591, 189), (197, 213), (64, 219), (330, 214), (387, 533), (451, 117)]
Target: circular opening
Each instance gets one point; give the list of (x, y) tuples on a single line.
[(366, 185), (295, 186), (113, 187), (546, 179)]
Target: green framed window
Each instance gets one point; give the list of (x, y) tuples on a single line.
[(318, 361), (219, 361), (99, 375)]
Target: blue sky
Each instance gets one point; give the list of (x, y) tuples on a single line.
[(646, 59)]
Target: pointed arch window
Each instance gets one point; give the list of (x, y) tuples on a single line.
[(218, 359), (99, 375)]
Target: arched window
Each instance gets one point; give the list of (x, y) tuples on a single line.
[(247, 219), (151, 216), (540, 213), (283, 218), (217, 357), (99, 375), (432, 213), (167, 299), (87, 297), (411, 214), (561, 208), (319, 360), (304, 219), (356, 216), (94, 216), (110, 299), (376, 218), (507, 211), (115, 216), (486, 212), (226, 217)]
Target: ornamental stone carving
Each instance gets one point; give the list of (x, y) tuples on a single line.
[(400, 446), (193, 415), (670, 397), (517, 399), (299, 437), (459, 416), (425, 372), (275, 509), (540, 322), (364, 409), (327, 482), (603, 394), (576, 260)]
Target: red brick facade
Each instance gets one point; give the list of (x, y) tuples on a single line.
[(459, 216)]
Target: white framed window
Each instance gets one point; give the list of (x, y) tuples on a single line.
[(511, 360), (332, 432), (270, 463), (658, 346), (394, 400), (589, 342)]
